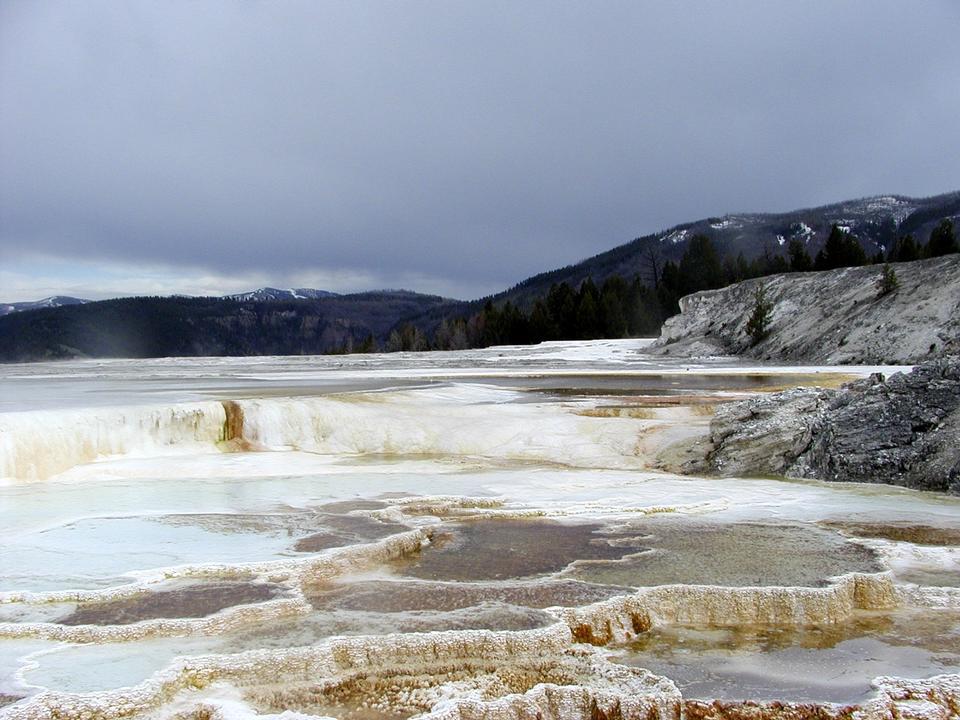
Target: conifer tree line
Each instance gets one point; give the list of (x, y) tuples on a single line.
[(621, 307)]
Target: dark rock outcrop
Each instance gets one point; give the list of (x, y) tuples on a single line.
[(902, 430)]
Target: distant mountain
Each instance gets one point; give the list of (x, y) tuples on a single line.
[(264, 294), (49, 302), (876, 222), (184, 326), (300, 321), (269, 294)]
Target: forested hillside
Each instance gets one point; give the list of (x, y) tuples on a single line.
[(625, 292), (181, 326)]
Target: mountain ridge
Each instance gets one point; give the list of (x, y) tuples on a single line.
[(272, 293), (331, 322), (263, 294), (871, 220), (876, 221), (47, 302), (137, 327)]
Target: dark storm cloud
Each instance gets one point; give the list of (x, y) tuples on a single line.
[(476, 142)]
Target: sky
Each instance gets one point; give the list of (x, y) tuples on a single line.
[(448, 147)]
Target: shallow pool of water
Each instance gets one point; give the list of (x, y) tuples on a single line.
[(833, 663)]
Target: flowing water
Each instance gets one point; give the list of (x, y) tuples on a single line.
[(390, 535)]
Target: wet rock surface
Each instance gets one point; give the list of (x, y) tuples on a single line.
[(6, 699), (565, 687), (505, 549), (479, 595), (899, 532), (342, 530), (387, 596), (812, 663), (329, 621), (188, 602), (902, 430), (732, 555)]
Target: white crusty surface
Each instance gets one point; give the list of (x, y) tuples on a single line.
[(834, 316)]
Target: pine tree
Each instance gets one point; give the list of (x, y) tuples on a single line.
[(613, 297), (588, 317), (562, 304), (669, 290), (840, 250), (799, 257), (642, 309), (887, 282), (700, 267), (904, 250), (758, 326), (542, 325), (943, 241)]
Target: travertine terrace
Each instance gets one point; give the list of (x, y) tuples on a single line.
[(481, 535)]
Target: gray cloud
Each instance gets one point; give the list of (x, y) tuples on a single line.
[(474, 142)]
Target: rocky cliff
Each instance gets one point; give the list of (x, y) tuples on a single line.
[(836, 316), (902, 430)]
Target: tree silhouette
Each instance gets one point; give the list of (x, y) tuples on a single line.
[(840, 250), (700, 267), (887, 282), (799, 257), (943, 241), (758, 326)]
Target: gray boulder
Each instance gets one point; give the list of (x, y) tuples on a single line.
[(902, 430)]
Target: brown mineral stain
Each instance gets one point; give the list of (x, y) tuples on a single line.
[(346, 506), (505, 549), (899, 532), (391, 596), (806, 665), (232, 434), (730, 554), (339, 530), (618, 411), (392, 695), (750, 710), (186, 602), (6, 699)]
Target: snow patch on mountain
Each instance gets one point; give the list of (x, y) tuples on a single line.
[(677, 236), (269, 294), (47, 302), (726, 223)]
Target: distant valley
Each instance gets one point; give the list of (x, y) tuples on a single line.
[(632, 288)]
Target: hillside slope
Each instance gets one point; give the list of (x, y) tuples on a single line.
[(835, 316), (310, 321), (876, 222), (181, 326)]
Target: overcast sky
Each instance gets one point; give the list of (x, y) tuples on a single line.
[(449, 147)]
